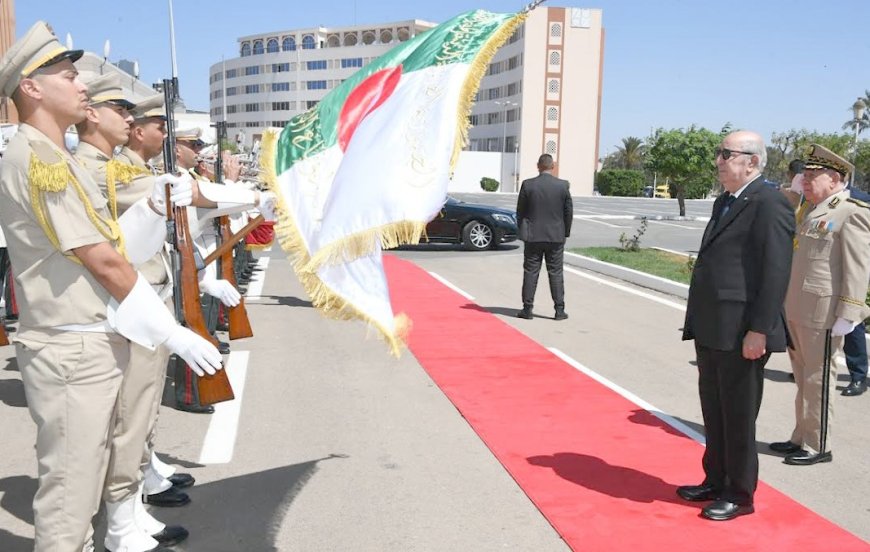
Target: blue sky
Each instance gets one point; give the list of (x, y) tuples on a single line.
[(767, 65)]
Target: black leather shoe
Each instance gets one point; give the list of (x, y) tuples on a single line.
[(698, 493), (722, 510), (158, 548), (171, 535), (181, 480), (170, 498), (525, 313), (784, 447), (561, 314), (855, 388), (806, 458), (195, 408), (223, 347)]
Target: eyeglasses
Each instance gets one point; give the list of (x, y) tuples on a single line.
[(727, 153)]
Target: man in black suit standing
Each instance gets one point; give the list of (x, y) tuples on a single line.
[(544, 213), (735, 316)]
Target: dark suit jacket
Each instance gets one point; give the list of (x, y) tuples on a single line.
[(544, 209), (742, 272)]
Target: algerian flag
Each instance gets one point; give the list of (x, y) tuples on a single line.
[(367, 168)]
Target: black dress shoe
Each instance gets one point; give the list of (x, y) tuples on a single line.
[(561, 315), (698, 493), (807, 458), (170, 498), (784, 447), (158, 548), (722, 510), (171, 535), (195, 408), (855, 388), (525, 313), (181, 480), (223, 347), (222, 327)]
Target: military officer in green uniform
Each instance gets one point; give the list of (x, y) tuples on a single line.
[(82, 301), (825, 298)]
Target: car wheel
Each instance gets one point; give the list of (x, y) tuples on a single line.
[(477, 236)]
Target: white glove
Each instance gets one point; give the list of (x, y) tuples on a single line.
[(842, 327), (180, 191), (797, 184), (267, 204), (199, 354), (221, 290)]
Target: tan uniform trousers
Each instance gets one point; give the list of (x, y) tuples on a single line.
[(816, 377), (138, 403), (71, 381)]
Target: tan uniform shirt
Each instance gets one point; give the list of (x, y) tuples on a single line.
[(52, 289), (831, 264), (131, 182)]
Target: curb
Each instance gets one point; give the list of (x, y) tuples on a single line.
[(636, 277)]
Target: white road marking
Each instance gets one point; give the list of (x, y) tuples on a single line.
[(220, 439), (666, 418), (587, 219), (675, 225), (627, 289), (451, 286), (258, 277)]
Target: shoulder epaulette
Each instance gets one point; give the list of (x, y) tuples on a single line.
[(859, 203), (48, 171)]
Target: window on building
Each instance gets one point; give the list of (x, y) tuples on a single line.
[(493, 118), (258, 47), (232, 91), (280, 87), (280, 106), (252, 89), (350, 39), (368, 37), (351, 62), (555, 58), (316, 85), (289, 44), (404, 34), (280, 67), (252, 124), (252, 107), (550, 147), (492, 144), (513, 89), (252, 70), (474, 120), (246, 49), (513, 115), (510, 144), (553, 86), (310, 103), (232, 109), (556, 30), (317, 65), (218, 111), (272, 46), (333, 41), (552, 113), (514, 62), (493, 93), (279, 124), (308, 42), (386, 36), (231, 73)]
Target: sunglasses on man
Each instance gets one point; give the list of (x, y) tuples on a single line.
[(727, 153)]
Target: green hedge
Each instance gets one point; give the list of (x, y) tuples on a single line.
[(620, 182), (489, 184)]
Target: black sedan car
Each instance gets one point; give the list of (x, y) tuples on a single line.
[(475, 226)]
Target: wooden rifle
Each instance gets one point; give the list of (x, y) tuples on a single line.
[(188, 309), (4, 339), (237, 317)]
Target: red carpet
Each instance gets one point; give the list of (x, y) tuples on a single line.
[(601, 470)]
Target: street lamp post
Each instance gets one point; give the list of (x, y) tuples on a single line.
[(505, 104)]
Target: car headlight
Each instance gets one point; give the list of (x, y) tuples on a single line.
[(503, 218)]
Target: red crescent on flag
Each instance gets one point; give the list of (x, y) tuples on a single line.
[(365, 98)]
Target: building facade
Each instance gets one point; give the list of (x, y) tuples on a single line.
[(541, 92), (7, 39)]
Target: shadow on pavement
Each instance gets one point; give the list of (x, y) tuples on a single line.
[(18, 491), (14, 543), (11, 365), (12, 393), (617, 481), (282, 301)]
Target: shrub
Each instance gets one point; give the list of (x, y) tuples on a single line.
[(489, 184), (633, 243), (620, 182)]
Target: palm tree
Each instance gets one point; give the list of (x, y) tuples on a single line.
[(631, 153), (864, 122)]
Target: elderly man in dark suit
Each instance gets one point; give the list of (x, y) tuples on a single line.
[(735, 316), (545, 213)]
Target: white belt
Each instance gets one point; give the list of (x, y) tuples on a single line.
[(97, 327)]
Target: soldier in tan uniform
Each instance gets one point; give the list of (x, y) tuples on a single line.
[(107, 126), (82, 301), (825, 298)]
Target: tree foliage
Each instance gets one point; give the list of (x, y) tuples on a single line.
[(687, 159), (489, 184), (619, 182)]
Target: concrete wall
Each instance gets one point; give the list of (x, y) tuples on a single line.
[(474, 165)]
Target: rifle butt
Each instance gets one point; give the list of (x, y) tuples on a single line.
[(215, 388), (240, 325), (4, 339)]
